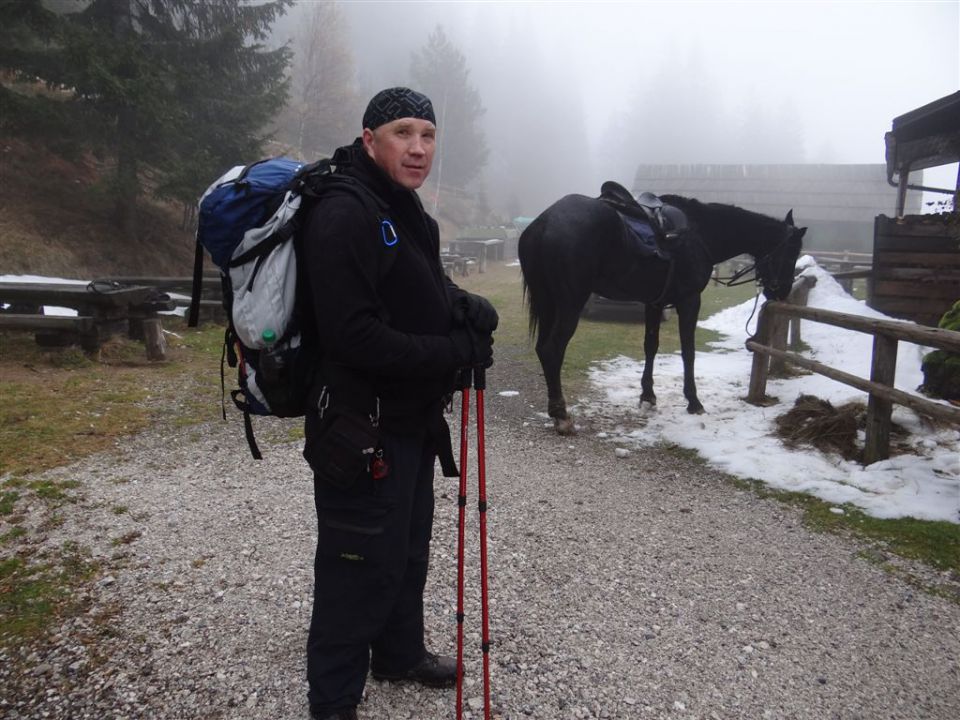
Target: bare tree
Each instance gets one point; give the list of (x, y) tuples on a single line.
[(324, 110)]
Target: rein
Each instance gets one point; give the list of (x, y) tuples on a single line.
[(746, 325), (735, 279)]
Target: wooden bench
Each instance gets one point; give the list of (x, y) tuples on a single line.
[(103, 310), (58, 330)]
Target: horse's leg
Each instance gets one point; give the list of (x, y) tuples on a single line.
[(652, 314), (688, 310), (552, 344)]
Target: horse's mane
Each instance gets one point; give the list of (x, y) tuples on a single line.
[(731, 216)]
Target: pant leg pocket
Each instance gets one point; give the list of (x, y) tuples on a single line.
[(352, 598), (353, 540)]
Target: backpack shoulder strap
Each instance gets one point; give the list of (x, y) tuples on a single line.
[(319, 179), (193, 316)]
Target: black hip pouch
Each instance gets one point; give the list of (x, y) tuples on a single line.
[(344, 447)]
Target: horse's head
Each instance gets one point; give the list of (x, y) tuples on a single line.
[(776, 267)]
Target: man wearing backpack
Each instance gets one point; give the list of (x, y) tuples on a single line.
[(392, 330)]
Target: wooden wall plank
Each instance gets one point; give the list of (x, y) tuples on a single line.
[(925, 259), (916, 289), (918, 274), (929, 305), (915, 267), (905, 243), (932, 226)]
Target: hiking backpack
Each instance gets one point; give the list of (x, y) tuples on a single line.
[(248, 220)]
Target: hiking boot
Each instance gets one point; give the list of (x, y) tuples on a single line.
[(437, 671), (345, 714)]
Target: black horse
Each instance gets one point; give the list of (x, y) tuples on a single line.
[(578, 245)]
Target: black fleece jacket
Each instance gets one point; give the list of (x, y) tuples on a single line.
[(390, 324)]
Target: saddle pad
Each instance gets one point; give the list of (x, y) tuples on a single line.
[(642, 237)]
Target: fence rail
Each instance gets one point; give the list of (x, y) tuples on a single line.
[(841, 258), (845, 266), (769, 344)]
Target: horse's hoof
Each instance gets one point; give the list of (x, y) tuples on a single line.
[(695, 409), (651, 401), (564, 426)]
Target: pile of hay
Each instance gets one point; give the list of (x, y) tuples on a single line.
[(816, 422)]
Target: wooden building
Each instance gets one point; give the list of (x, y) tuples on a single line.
[(509, 236), (916, 258), (838, 203)]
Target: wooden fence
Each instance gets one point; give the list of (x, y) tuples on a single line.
[(769, 344), (916, 266), (841, 260)]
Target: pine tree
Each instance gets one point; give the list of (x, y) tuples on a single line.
[(183, 89), (440, 70)]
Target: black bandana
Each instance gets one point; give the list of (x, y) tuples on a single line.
[(395, 103)]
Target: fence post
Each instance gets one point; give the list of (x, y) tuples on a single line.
[(882, 370), (779, 324), (757, 394), (798, 296)]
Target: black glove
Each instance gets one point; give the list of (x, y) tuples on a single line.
[(476, 311), (473, 347)]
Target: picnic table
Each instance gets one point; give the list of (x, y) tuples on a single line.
[(481, 249), (210, 302), (103, 309)]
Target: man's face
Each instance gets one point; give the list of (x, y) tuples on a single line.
[(403, 149)]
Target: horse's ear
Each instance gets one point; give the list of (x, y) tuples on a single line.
[(789, 218)]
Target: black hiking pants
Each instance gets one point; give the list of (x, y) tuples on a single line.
[(373, 545)]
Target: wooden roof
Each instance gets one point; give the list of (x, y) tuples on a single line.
[(845, 193), (487, 233), (926, 137)]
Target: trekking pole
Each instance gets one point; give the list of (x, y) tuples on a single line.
[(479, 384), (464, 382)]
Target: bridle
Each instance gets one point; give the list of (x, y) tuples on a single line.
[(759, 268), (765, 265)]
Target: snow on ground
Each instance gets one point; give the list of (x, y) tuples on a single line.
[(739, 438)]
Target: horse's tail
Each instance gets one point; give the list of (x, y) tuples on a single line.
[(526, 250), (533, 320)]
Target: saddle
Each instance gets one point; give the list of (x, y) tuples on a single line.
[(653, 224)]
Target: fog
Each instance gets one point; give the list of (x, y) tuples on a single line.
[(579, 92)]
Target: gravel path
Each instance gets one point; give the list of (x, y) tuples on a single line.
[(638, 587)]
